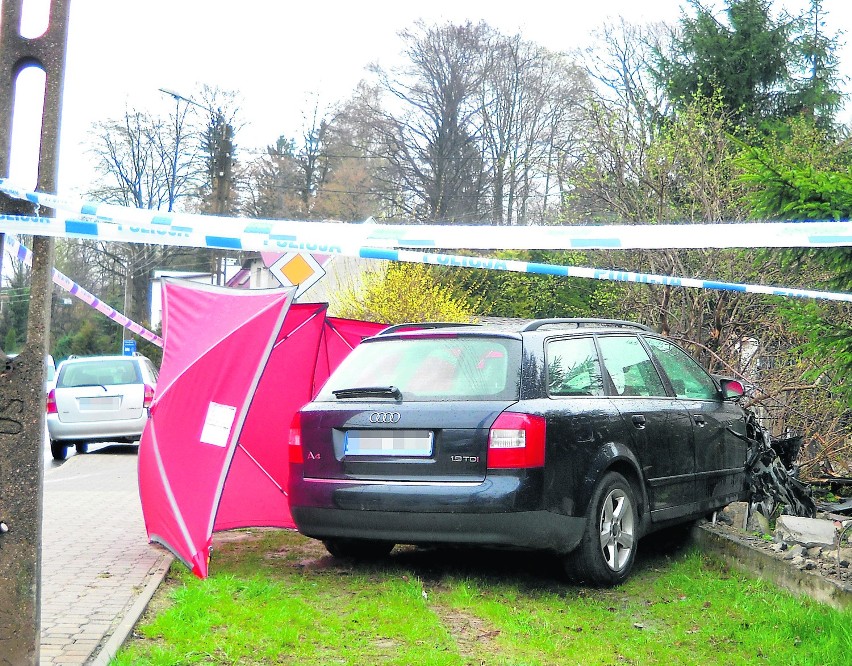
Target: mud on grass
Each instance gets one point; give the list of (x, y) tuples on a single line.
[(275, 597)]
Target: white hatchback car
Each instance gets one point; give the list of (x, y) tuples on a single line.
[(99, 399)]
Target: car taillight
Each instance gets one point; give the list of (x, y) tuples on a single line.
[(51, 402), (516, 440), (294, 445), (149, 397)]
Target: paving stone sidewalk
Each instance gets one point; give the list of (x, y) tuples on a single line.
[(98, 571)]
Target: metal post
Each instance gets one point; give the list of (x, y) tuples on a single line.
[(22, 382)]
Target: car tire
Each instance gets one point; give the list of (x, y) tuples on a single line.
[(608, 548), (358, 549), (82, 447), (57, 450)]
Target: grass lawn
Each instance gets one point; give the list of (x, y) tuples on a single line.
[(275, 597)]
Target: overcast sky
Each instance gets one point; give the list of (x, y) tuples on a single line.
[(279, 54)]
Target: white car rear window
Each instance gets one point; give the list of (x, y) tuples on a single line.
[(109, 372)]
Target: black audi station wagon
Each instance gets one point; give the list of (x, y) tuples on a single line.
[(576, 436)]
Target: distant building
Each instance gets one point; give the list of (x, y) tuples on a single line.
[(193, 276), (340, 272)]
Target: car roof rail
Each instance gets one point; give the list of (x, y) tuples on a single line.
[(419, 326), (578, 322)]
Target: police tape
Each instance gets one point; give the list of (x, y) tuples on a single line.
[(243, 234), (25, 255), (594, 273), (103, 231), (312, 240)]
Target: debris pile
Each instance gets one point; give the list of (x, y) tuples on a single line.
[(771, 474), (782, 516)]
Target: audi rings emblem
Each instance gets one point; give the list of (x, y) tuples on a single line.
[(384, 417)]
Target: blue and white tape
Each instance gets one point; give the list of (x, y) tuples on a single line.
[(24, 254), (103, 231), (593, 273), (241, 233), (372, 241), (313, 240)]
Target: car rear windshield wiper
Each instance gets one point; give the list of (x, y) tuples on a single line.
[(369, 391)]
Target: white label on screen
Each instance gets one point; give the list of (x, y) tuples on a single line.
[(217, 424)]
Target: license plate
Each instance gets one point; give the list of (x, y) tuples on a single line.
[(387, 443), (100, 402)]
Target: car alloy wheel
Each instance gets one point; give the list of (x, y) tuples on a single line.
[(606, 552), (617, 529)]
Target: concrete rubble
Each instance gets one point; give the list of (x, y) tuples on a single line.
[(805, 531), (815, 543), (818, 547)]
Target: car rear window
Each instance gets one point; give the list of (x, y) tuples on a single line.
[(436, 367), (107, 372)]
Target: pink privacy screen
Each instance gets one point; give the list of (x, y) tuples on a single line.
[(236, 367)]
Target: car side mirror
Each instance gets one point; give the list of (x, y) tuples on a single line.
[(732, 389)]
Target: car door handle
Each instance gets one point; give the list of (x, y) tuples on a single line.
[(638, 421), (699, 420)]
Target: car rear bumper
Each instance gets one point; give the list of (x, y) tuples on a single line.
[(539, 530), (94, 431), (500, 511)]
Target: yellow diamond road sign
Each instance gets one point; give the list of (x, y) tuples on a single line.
[(297, 269)]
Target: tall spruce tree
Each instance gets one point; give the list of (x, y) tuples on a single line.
[(809, 177), (766, 66)]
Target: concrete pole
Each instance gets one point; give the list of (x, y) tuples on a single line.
[(22, 396)]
